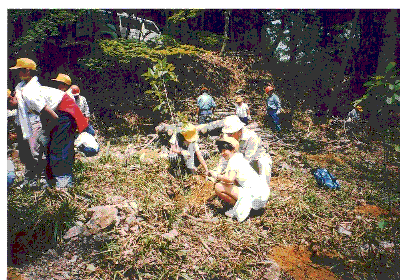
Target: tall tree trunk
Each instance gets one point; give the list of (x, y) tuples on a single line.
[(227, 20)]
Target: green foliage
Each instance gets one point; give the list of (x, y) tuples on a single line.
[(384, 87), (158, 77), (207, 39), (184, 15), (40, 216), (124, 50), (168, 41), (45, 27)]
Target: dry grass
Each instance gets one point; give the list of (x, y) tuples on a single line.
[(299, 215), (299, 228)]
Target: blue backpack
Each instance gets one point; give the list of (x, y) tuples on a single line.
[(325, 179)]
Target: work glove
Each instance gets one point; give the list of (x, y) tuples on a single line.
[(278, 112)]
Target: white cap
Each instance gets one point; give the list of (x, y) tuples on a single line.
[(232, 124)]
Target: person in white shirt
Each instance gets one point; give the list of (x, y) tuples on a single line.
[(239, 184), (184, 144), (242, 110), (31, 147), (60, 117), (250, 145)]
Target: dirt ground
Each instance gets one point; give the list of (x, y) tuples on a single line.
[(296, 261)]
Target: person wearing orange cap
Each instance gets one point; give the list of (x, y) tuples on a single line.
[(31, 148), (273, 106), (205, 107), (185, 146), (60, 117), (81, 101)]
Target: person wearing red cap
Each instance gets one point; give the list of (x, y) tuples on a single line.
[(273, 106), (81, 101)]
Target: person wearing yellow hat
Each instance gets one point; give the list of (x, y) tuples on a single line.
[(251, 147), (64, 82), (242, 110), (273, 106), (60, 117), (205, 107), (239, 184), (28, 125), (355, 114), (185, 146)]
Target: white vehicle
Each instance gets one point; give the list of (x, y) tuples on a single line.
[(132, 27)]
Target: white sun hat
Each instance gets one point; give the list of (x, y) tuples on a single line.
[(232, 124)]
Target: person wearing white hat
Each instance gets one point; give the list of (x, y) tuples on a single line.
[(250, 145), (31, 149), (184, 144), (239, 184)]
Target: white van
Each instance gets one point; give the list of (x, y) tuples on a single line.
[(132, 27)]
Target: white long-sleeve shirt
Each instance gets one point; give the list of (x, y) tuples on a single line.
[(250, 146)]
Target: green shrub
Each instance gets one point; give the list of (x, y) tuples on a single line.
[(207, 40)]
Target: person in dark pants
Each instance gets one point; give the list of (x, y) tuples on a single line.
[(185, 152), (205, 107), (31, 148), (242, 110), (273, 106), (60, 117)]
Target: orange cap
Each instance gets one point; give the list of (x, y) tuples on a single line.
[(269, 88)]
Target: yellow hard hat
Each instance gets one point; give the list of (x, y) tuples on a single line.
[(63, 78), (189, 132), (25, 63)]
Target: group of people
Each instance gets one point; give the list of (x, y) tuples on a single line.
[(206, 106), (243, 173), (48, 121)]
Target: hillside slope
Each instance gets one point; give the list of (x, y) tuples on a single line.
[(179, 230)]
